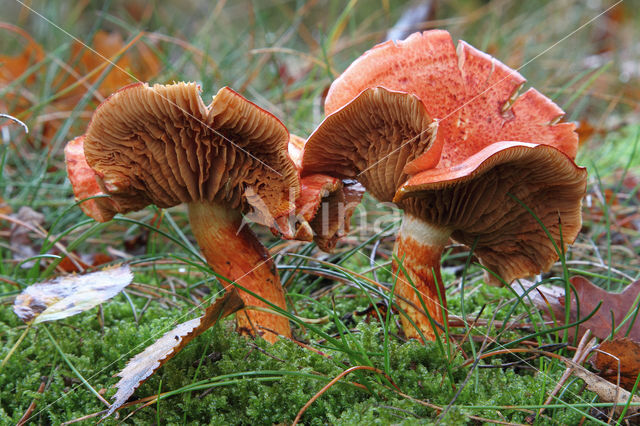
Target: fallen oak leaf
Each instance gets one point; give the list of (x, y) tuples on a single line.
[(69, 295), (618, 356), (142, 366), (589, 295)]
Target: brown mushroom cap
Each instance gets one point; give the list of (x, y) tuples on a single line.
[(473, 201), (161, 145), (473, 96), (372, 138)]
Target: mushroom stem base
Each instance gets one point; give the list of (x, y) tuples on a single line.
[(418, 248), (233, 251)]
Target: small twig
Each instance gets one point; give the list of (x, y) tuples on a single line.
[(468, 332), (475, 364), (581, 353), (259, 349), (480, 419), (83, 418), (25, 418), (334, 381)]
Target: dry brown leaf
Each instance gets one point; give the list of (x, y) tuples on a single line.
[(142, 366), (607, 391), (618, 356), (86, 261), (69, 295), (14, 66), (5, 208), (589, 295), (24, 246), (139, 62)]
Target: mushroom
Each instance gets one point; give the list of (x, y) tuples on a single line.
[(445, 135), (161, 145), (84, 183), (325, 205)]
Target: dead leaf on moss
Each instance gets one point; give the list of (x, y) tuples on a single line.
[(589, 295), (69, 295), (142, 366), (618, 356), (607, 391), (24, 247)]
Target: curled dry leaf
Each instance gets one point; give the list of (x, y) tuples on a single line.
[(589, 295), (607, 391), (142, 366), (69, 295), (618, 356)]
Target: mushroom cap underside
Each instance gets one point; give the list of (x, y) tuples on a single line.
[(371, 139), (473, 96), (161, 145), (482, 201)]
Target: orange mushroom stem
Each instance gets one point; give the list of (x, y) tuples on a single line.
[(233, 251), (418, 249)]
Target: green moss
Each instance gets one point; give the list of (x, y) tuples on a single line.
[(295, 373)]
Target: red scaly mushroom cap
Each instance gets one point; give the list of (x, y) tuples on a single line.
[(473, 97), (465, 175)]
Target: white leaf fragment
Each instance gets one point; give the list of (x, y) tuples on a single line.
[(142, 366), (70, 295)]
